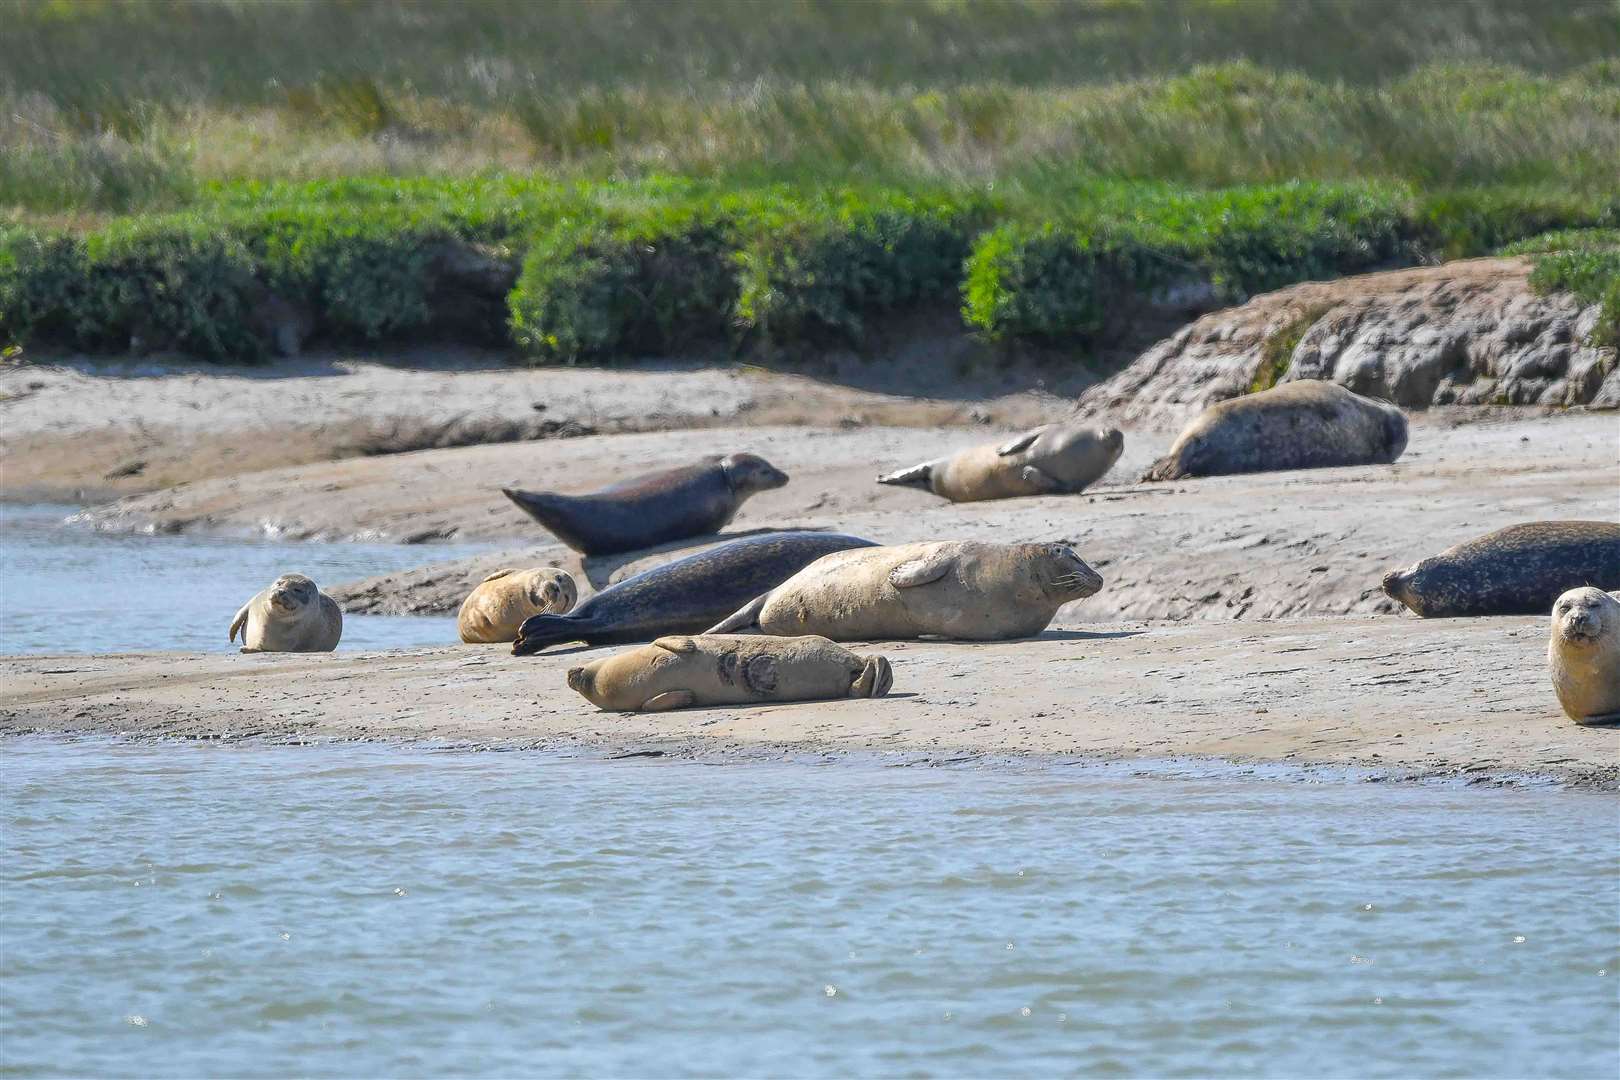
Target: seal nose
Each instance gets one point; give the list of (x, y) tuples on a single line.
[(1394, 584), (576, 678)]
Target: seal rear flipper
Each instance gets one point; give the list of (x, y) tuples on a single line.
[(539, 631), (669, 699), (919, 476), (239, 624), (875, 679), (743, 619)]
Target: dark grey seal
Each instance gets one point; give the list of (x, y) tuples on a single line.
[(685, 596), (1519, 570), (673, 504), (1298, 425)]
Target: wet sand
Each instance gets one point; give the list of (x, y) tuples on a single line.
[(1465, 698)]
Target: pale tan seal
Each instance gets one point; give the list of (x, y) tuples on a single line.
[(1057, 459), (1583, 655), (729, 669), (292, 615), (495, 609), (967, 590), (1298, 425)]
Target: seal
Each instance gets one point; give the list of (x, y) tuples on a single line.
[(1519, 570), (1057, 459), (684, 596), (292, 615), (729, 669), (495, 609), (1583, 655), (693, 500), (1298, 425), (961, 589)]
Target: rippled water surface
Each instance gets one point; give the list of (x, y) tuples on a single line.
[(183, 910), (71, 589)]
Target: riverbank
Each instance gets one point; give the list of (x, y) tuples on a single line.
[(1464, 698)]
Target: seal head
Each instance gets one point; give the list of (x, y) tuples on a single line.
[(1583, 655), (750, 474)]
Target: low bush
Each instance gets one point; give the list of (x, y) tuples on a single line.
[(42, 282), (1592, 274)]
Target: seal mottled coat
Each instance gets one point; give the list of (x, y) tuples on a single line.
[(292, 615), (693, 500), (1057, 459), (684, 596), (728, 669), (1583, 655), (495, 609), (961, 589), (1298, 425), (1519, 570)]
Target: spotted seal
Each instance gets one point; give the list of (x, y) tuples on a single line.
[(1519, 570), (684, 596), (1298, 425), (672, 504), (1583, 655), (729, 669), (495, 609), (1057, 459), (292, 615), (962, 589)]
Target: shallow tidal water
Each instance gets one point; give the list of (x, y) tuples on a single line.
[(69, 589), (176, 909)]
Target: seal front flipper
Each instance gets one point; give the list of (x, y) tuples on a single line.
[(669, 699), (1041, 482), (929, 568), (676, 645), (1022, 442), (920, 476), (745, 618), (239, 624)]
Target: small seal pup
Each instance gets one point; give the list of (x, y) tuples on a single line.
[(962, 589), (684, 596), (1058, 459), (292, 615), (1298, 425), (1519, 570), (653, 509), (729, 669), (495, 609), (1583, 655)]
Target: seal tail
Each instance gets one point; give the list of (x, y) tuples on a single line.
[(540, 631), (917, 476), (537, 504)]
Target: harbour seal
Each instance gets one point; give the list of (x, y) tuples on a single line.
[(729, 669), (1058, 459), (966, 590), (1299, 425), (495, 609), (684, 596), (674, 504), (1583, 655), (292, 615), (1519, 570)]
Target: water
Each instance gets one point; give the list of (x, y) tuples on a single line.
[(182, 910), (67, 589)]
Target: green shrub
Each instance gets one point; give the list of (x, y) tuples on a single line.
[(1593, 276), (643, 282), (1476, 221), (42, 281), (1563, 240)]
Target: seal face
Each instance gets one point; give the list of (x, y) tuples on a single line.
[(495, 609), (656, 508), (292, 615), (1583, 655), (964, 590), (1057, 459), (1298, 425), (720, 669), (1519, 570), (684, 596)]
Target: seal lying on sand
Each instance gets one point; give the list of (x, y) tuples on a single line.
[(1583, 655), (1519, 570), (497, 607), (967, 590), (1058, 459), (653, 509), (292, 615), (726, 669), (684, 596), (1298, 425)]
